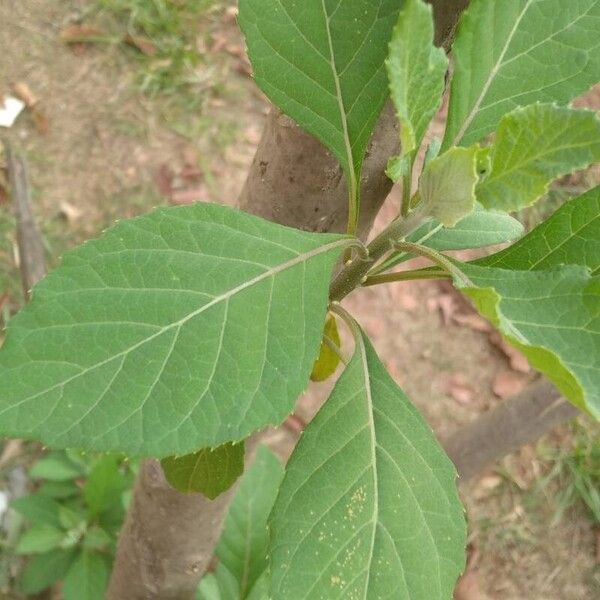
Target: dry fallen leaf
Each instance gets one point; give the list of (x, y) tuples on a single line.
[(517, 359), (460, 389), (198, 193), (445, 304), (78, 34), (141, 43), (24, 93), (509, 383), (467, 587), (71, 214), (472, 321)]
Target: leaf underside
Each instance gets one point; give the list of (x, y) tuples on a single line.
[(186, 328), (369, 503), (208, 471), (543, 294)]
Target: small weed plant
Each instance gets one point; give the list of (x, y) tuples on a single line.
[(180, 333), (73, 518)]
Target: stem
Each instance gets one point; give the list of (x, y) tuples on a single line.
[(404, 276), (396, 259), (437, 257), (406, 190), (355, 271), (335, 348)]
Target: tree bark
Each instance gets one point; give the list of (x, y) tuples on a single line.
[(518, 421), (32, 257)]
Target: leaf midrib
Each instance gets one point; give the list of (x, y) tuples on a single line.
[(299, 259), (475, 109), (340, 101)]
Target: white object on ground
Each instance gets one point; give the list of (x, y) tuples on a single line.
[(10, 110), (3, 503)]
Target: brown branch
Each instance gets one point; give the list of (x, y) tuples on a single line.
[(32, 256), (517, 421)]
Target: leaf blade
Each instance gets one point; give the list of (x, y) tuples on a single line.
[(322, 63), (493, 74), (244, 541), (208, 471), (354, 543), (416, 70), (570, 236), (534, 146), (168, 290)]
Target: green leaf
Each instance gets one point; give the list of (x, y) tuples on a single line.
[(416, 70), (479, 229), (97, 538), (43, 570), (39, 539), (447, 186), (571, 236), (186, 328), (322, 63), (71, 518), (514, 53), (552, 316), (260, 590), (369, 505), (534, 146), (244, 541), (328, 359), (220, 585), (87, 578), (38, 509), (59, 489), (104, 485), (55, 467), (209, 471)]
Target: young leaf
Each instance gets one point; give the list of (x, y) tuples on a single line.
[(208, 471), (328, 360), (219, 585), (87, 578), (551, 316), (534, 146), (55, 467), (416, 70), (188, 327), (61, 490), (43, 570), (514, 53), (368, 505), (104, 485), (479, 229), (322, 63), (571, 236), (40, 539), (244, 541), (447, 186), (38, 509)]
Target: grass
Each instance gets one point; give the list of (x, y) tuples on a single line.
[(574, 472), (168, 33)]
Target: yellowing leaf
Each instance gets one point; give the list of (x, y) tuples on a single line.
[(328, 360)]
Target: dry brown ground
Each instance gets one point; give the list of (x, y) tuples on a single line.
[(108, 154)]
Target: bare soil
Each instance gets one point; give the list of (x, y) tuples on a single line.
[(108, 152)]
